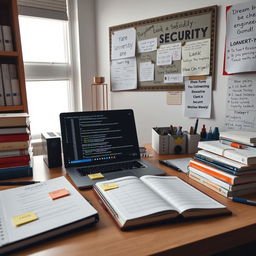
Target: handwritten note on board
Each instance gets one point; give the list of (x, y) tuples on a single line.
[(123, 44), (198, 94), (146, 71), (175, 50), (240, 53), (241, 104), (196, 58), (124, 74), (147, 45)]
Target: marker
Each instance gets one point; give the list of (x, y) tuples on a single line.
[(243, 201), (166, 163), (196, 125), (233, 144)]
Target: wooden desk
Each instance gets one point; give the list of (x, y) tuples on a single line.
[(190, 237)]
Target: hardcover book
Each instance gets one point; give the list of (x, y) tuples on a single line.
[(133, 201)]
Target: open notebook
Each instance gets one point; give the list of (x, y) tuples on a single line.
[(135, 201), (31, 213)]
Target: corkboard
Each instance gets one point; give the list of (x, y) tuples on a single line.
[(181, 27)]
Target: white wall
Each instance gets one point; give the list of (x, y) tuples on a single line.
[(150, 107)]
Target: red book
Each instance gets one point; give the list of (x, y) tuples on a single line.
[(9, 165), (14, 159), (14, 137)]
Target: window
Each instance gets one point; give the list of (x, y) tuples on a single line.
[(48, 71)]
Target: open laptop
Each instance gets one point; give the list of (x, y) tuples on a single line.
[(102, 142)]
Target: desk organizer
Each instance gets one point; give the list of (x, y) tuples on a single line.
[(164, 143)]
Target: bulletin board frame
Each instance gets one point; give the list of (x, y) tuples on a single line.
[(201, 16)]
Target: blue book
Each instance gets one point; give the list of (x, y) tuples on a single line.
[(16, 172)]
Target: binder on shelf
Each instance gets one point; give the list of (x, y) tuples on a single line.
[(7, 85), (7, 36), (1, 39), (15, 86), (2, 101)]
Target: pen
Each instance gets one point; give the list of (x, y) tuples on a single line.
[(233, 144), (170, 165), (243, 201), (19, 183), (196, 125)]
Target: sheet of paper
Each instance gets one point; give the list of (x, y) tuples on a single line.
[(181, 163), (173, 78), (180, 194), (196, 58), (241, 38), (123, 44), (124, 74), (133, 199), (174, 98), (175, 50), (146, 71), (164, 57), (198, 95), (241, 103), (51, 213), (147, 45)]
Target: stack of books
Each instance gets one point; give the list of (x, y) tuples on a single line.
[(15, 150), (226, 169)]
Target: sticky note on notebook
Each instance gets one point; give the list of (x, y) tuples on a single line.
[(107, 187), (58, 193), (96, 176), (24, 218)]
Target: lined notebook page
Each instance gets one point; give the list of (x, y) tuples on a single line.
[(51, 213), (133, 199), (3, 234), (180, 194)]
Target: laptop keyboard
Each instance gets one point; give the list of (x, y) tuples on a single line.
[(110, 168)]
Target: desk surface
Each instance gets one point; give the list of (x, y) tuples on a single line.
[(190, 237)]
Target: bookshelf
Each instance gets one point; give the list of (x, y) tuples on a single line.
[(9, 17)]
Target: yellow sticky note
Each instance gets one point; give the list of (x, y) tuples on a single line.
[(24, 218), (107, 187), (58, 193), (96, 176)]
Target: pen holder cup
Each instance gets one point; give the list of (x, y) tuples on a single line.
[(160, 140), (177, 144), (192, 143)]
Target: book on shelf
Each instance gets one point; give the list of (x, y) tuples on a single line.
[(244, 155), (209, 182), (224, 176), (7, 85), (1, 39), (225, 162), (16, 172), (7, 37), (244, 137), (14, 130), (16, 97), (44, 210), (2, 100), (14, 120), (4, 146), (14, 137), (133, 201)]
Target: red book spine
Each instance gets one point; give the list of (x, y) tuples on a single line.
[(15, 159), (14, 137)]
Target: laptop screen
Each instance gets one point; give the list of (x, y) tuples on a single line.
[(97, 137)]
